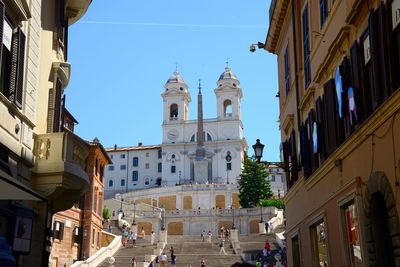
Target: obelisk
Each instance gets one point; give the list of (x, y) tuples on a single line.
[(200, 161)]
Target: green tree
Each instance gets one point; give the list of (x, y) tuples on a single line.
[(253, 185), (106, 213)]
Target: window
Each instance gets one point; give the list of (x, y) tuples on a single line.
[(209, 137), (287, 70), (173, 156), (101, 173), (135, 162), (160, 154), (296, 251), (272, 178), (173, 112), (228, 166), (352, 234), (110, 183), (193, 138), (122, 156), (110, 167), (58, 230), (160, 167), (135, 175), (98, 239), (96, 166), (147, 181), (306, 48), (12, 60), (147, 154), (227, 108), (173, 169), (122, 182), (111, 156), (122, 167), (158, 181), (93, 236), (323, 11), (282, 180), (320, 243), (77, 235), (147, 165), (95, 201)]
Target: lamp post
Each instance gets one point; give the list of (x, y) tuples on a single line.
[(258, 150), (122, 199), (233, 217), (262, 220)]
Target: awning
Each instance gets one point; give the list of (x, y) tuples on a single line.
[(11, 189)]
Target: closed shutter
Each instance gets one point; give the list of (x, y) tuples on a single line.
[(384, 57), (330, 107), (355, 83), (20, 69), (61, 231), (63, 115), (293, 154), (320, 122), (374, 39), (57, 107)]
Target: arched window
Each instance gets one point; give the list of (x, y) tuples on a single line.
[(147, 181), (227, 108), (209, 137), (110, 183), (173, 112), (193, 138)]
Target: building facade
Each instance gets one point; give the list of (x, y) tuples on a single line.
[(41, 166), (172, 162), (339, 65), (77, 231), (276, 178)]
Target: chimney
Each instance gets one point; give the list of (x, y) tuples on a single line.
[(115, 147), (140, 144)]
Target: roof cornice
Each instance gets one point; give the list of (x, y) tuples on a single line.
[(275, 27)]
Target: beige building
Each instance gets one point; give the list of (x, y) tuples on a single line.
[(42, 168), (339, 63)]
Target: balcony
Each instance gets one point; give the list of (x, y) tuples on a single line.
[(76, 9), (59, 173)]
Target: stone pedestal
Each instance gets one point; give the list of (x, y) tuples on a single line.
[(261, 228), (200, 171), (163, 236), (234, 236)]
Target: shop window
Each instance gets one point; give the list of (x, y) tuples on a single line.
[(58, 230), (135, 162), (319, 241), (351, 225)]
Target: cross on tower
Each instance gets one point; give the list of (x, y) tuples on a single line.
[(176, 66), (227, 61)]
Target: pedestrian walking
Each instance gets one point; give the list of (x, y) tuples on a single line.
[(133, 261), (203, 235), (110, 229), (266, 227), (157, 262), (134, 237), (153, 237), (221, 232), (171, 250), (267, 247), (209, 236), (143, 233), (164, 260), (202, 263), (271, 227), (222, 249), (173, 260)]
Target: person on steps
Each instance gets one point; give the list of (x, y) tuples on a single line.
[(222, 249)]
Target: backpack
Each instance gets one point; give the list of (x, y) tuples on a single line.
[(221, 245)]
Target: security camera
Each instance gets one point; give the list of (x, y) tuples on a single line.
[(252, 48)]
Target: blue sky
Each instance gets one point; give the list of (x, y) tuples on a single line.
[(123, 53)]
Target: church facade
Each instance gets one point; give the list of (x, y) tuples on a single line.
[(201, 151)]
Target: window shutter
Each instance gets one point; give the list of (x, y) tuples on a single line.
[(19, 84), (63, 115), (57, 107), (374, 39), (330, 116), (61, 231)]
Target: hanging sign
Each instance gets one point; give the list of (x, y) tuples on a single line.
[(339, 90), (352, 105), (315, 138), (7, 35)]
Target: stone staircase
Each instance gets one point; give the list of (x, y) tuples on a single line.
[(189, 250), (124, 255)]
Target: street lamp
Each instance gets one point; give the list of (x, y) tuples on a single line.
[(120, 209), (258, 150), (134, 213)]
